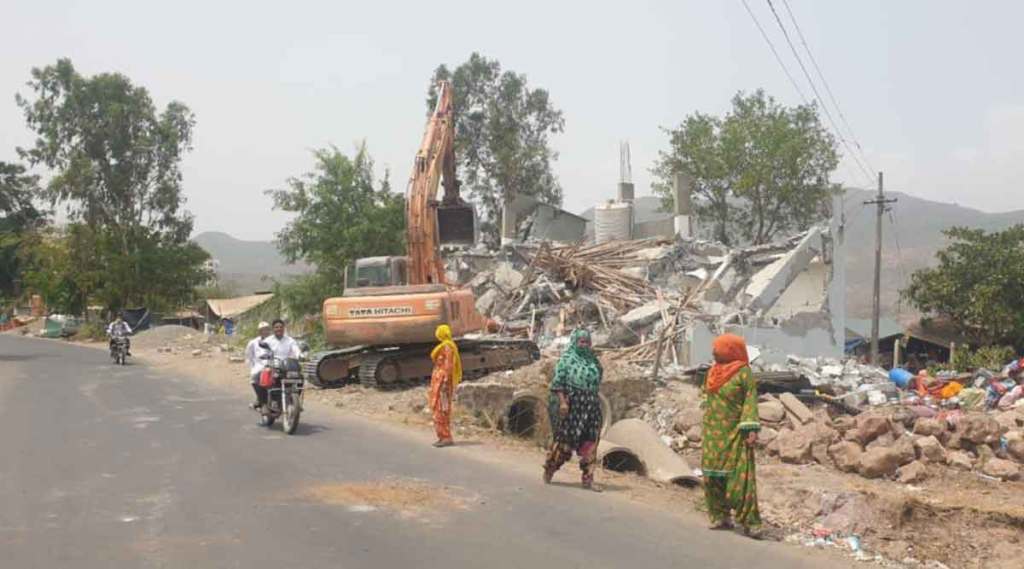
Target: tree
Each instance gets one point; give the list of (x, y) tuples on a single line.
[(116, 171), (341, 214), (18, 215), (760, 171), (501, 136), (978, 284)]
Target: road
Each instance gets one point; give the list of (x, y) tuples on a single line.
[(108, 466)]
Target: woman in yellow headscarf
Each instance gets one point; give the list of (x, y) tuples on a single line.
[(443, 381)]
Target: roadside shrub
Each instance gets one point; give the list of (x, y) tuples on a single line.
[(989, 357)]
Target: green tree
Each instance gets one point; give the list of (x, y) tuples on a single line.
[(340, 214), (760, 171), (50, 270), (978, 284), (116, 171), (502, 127), (18, 215)]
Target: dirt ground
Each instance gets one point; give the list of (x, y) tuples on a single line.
[(953, 519)]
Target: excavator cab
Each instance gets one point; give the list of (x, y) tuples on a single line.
[(377, 271)]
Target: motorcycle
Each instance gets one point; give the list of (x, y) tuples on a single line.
[(119, 349), (282, 378)]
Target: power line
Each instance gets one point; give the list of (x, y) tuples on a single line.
[(814, 88), (824, 81), (778, 58)]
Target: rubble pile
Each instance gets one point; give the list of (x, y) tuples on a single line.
[(636, 294)]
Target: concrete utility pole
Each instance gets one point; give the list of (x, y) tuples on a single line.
[(881, 201)]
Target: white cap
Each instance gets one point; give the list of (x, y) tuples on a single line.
[(263, 325)]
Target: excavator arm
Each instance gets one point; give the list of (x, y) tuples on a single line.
[(428, 222)]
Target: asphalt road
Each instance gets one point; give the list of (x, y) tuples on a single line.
[(106, 466)]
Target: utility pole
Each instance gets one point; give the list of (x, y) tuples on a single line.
[(881, 201)]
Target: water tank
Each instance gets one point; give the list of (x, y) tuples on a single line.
[(613, 222)]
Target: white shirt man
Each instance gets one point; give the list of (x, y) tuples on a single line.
[(253, 351), (283, 345)]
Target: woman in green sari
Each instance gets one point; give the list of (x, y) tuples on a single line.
[(575, 408), (729, 434)]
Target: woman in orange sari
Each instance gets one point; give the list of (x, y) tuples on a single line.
[(443, 381), (729, 434)]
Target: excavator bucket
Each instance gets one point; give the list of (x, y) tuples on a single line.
[(456, 224)]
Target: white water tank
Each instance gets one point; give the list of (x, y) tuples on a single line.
[(613, 222)]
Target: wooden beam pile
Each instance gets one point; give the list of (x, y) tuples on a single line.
[(599, 268)]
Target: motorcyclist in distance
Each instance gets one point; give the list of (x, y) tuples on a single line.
[(120, 328)]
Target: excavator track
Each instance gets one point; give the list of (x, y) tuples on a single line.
[(406, 366)]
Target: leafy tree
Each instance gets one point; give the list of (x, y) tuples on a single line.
[(978, 284), (759, 171), (341, 214), (49, 269), (501, 136), (18, 215), (116, 165)]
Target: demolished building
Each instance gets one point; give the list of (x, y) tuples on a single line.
[(786, 298)]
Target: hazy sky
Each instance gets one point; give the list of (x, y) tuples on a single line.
[(932, 89)]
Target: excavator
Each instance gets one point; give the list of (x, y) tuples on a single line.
[(382, 328)]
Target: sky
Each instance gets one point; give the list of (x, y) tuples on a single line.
[(932, 90)]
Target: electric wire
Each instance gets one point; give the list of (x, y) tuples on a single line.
[(814, 89), (778, 58), (828, 88)]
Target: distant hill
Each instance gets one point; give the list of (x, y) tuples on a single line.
[(908, 246), (248, 266)]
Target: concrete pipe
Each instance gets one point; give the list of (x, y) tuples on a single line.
[(660, 462), (527, 416)]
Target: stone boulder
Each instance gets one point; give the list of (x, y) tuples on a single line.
[(844, 423), (795, 445), (883, 440), (929, 427), (913, 472), (1001, 469), (930, 449), (979, 429), (694, 434), (771, 411), (1015, 445), (879, 462), (870, 426), (845, 455), (961, 460), (766, 436), (688, 419), (904, 447)]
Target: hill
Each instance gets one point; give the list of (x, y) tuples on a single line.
[(247, 266), (911, 236)]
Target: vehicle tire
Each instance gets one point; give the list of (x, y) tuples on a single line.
[(290, 417)]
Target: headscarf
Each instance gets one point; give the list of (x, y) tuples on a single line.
[(579, 366), (444, 336), (733, 350)]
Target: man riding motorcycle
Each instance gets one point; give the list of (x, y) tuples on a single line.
[(120, 329), (253, 351)]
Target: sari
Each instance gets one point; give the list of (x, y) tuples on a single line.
[(730, 414)]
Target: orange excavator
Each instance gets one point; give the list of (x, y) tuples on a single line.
[(382, 327)]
